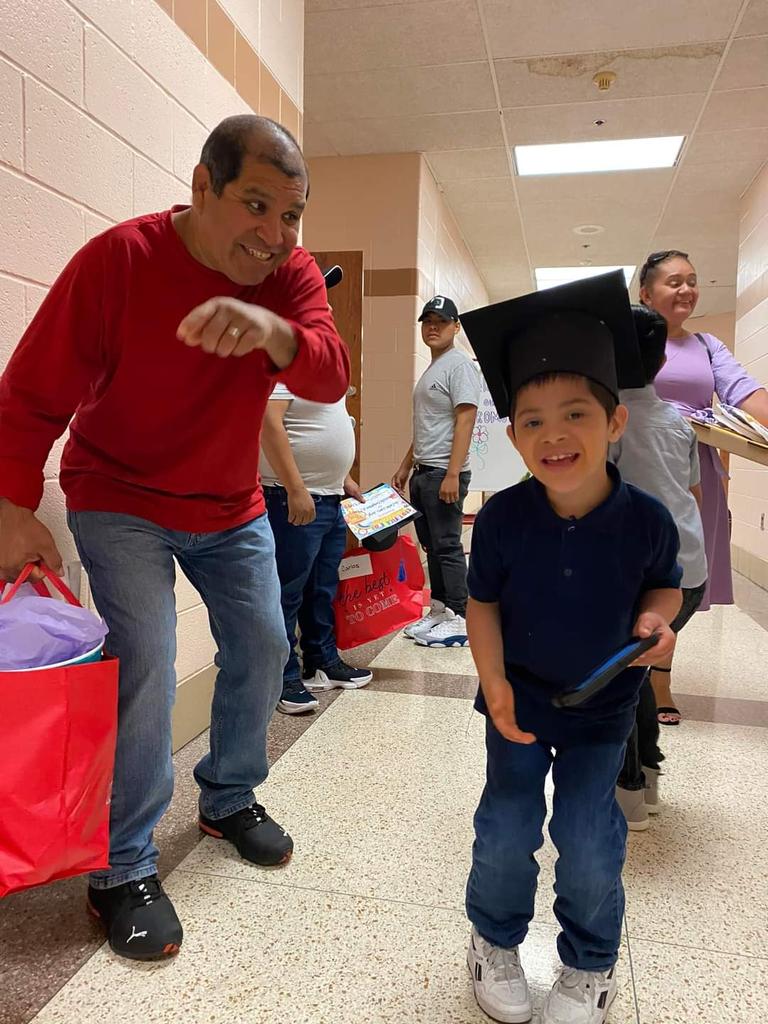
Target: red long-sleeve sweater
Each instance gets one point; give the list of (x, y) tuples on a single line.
[(160, 431)]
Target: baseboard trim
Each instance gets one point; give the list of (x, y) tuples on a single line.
[(749, 565), (192, 711)]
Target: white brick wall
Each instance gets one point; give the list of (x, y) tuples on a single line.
[(104, 106)]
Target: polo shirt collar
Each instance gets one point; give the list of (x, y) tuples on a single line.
[(618, 498)]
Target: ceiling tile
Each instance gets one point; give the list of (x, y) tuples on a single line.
[(316, 142), (617, 250), (681, 230), (382, 37), (614, 187), (744, 108), (755, 21), (430, 90), (567, 26), (624, 119), (414, 134), (729, 178), (748, 144), (568, 79), (628, 219), (485, 190), (311, 6), (746, 65), (469, 163)]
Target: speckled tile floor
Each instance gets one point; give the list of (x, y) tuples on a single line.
[(366, 924)]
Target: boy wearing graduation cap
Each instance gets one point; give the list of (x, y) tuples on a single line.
[(565, 568)]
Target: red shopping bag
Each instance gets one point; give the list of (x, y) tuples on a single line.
[(57, 748), (379, 592)]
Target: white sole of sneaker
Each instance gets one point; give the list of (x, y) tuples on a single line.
[(638, 826), (313, 685), (297, 709), (521, 1016)]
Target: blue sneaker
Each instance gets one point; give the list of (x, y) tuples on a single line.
[(295, 700), (337, 674)]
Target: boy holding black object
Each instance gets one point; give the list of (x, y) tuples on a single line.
[(659, 454), (565, 568)]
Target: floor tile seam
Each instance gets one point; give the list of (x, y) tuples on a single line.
[(387, 900), (632, 935), (635, 999), (63, 985)]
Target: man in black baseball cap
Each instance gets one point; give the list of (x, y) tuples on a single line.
[(443, 308), (445, 404)]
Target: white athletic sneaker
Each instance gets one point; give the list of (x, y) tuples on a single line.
[(632, 804), (652, 789), (451, 632), (498, 980), (423, 625), (580, 997)]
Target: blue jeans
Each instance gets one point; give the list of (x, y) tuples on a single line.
[(308, 560), (131, 571), (587, 828)]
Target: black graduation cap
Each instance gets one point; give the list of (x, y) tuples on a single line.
[(333, 276), (583, 327), (381, 541)]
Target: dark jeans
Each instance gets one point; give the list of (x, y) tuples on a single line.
[(643, 743), (308, 560), (439, 532), (587, 828)]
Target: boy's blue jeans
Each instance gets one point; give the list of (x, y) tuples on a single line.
[(131, 571), (308, 560), (587, 828)]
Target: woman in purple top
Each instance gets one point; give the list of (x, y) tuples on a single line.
[(697, 367)]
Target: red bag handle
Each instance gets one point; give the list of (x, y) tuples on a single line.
[(39, 586)]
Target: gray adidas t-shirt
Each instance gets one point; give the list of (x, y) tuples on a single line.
[(451, 380), (659, 454)]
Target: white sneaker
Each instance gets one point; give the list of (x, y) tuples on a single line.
[(580, 997), (498, 980), (451, 632), (632, 804), (652, 789), (423, 625)]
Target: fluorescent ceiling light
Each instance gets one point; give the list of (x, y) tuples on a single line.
[(548, 277), (603, 155)]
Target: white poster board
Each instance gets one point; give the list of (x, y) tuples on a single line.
[(494, 460)]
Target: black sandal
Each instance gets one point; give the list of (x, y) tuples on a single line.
[(666, 711)]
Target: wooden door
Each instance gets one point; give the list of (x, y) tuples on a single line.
[(347, 302)]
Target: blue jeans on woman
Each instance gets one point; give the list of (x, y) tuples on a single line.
[(587, 828), (132, 572), (308, 560)]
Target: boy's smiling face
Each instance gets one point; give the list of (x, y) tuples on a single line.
[(562, 433)]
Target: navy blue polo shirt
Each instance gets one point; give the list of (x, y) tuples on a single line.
[(569, 589)]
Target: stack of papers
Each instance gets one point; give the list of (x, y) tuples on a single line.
[(729, 417)]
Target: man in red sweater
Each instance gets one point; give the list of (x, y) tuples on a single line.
[(164, 337)]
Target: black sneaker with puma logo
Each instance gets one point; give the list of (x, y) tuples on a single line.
[(139, 919)]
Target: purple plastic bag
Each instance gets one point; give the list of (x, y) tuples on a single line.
[(38, 631)]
